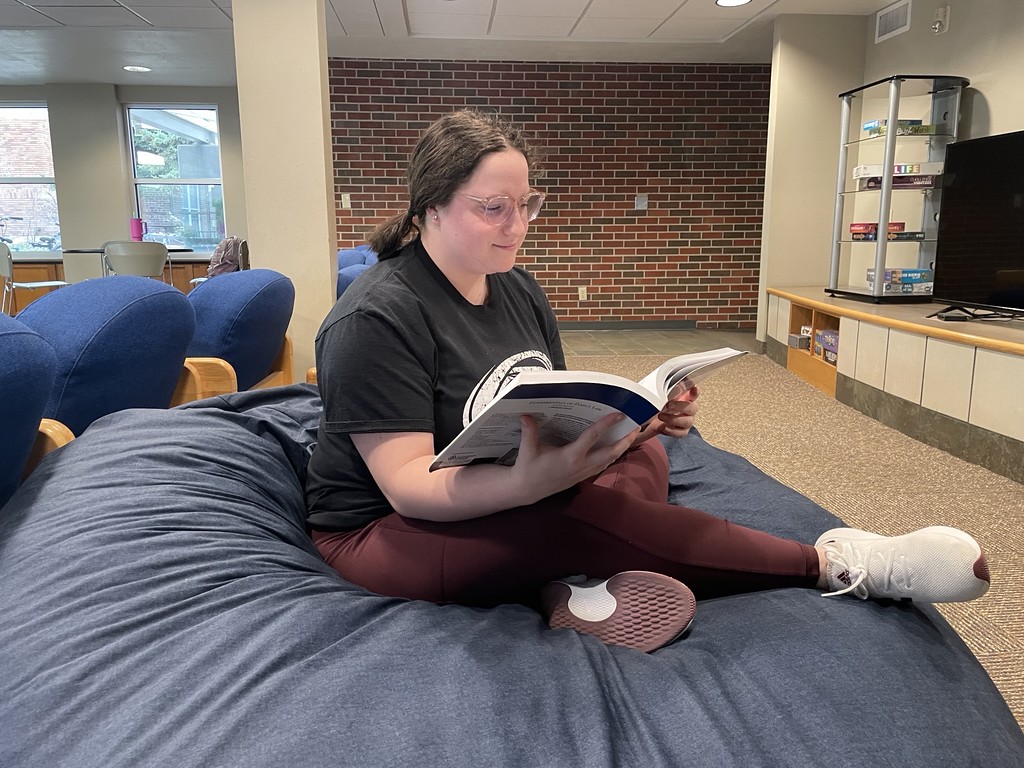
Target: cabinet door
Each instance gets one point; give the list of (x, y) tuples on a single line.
[(31, 273), (181, 275)]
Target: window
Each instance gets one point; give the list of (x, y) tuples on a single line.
[(28, 195), (176, 173)]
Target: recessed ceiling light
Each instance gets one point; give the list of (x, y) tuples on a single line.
[(731, 3), (136, 68)]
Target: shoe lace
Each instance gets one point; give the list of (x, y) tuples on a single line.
[(856, 575)]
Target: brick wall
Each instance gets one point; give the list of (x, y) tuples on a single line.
[(689, 136)]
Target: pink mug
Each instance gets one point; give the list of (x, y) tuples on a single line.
[(138, 228)]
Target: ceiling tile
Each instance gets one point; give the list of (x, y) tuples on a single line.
[(706, 9), (363, 26), (523, 26), (74, 3), (448, 24), (14, 18), (94, 16), (353, 7), (453, 7), (635, 9), (185, 18), (138, 4), (696, 29), (613, 29), (561, 8)]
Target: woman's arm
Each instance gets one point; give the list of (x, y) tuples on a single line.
[(399, 464)]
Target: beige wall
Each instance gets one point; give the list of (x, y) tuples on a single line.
[(816, 58), (984, 43)]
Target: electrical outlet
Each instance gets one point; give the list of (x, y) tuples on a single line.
[(346, 200), (640, 203), (582, 290)]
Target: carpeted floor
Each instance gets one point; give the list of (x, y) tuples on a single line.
[(873, 477)]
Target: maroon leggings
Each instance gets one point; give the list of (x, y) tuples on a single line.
[(619, 521)]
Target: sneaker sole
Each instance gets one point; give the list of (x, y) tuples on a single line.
[(633, 609)]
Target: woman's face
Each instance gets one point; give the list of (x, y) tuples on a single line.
[(462, 237)]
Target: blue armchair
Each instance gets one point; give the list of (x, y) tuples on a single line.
[(240, 340), (352, 262), (26, 377), (120, 343)]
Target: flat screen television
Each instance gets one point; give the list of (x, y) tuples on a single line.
[(979, 256)]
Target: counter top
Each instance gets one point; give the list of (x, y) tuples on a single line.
[(55, 257), (1001, 336)]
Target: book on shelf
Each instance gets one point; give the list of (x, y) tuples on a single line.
[(922, 181), (903, 275), (905, 130), (898, 169), (872, 226), (891, 236), (565, 403), (882, 122)]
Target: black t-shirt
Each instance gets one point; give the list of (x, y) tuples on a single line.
[(403, 351)]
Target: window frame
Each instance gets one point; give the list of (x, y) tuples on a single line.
[(135, 181), (49, 181)]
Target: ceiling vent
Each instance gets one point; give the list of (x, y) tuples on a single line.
[(892, 20)]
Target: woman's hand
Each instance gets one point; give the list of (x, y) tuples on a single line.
[(675, 418), (546, 469), (400, 464)]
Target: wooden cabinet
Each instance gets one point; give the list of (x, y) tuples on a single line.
[(812, 363), (179, 274), (33, 272)]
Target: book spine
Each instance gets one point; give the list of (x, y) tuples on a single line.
[(906, 130), (927, 181), (893, 236), (898, 169), (903, 275), (872, 226), (872, 124)]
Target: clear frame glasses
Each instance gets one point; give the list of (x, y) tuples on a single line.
[(498, 208)]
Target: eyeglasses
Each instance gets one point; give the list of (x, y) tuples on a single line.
[(498, 209)]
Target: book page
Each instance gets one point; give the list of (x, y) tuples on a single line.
[(675, 376), (563, 403)]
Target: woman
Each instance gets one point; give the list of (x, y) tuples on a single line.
[(419, 344)]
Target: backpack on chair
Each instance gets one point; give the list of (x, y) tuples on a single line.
[(230, 255)]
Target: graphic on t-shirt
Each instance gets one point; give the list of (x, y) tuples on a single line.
[(500, 376)]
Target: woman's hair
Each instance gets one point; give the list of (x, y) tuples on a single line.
[(444, 157)]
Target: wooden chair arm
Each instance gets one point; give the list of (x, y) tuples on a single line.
[(203, 377), (281, 370), (51, 436), (311, 375)]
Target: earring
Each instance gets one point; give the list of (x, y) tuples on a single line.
[(434, 217)]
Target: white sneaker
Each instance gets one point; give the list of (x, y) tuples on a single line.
[(635, 609), (932, 565)]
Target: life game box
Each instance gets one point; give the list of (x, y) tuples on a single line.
[(826, 345), (916, 281)]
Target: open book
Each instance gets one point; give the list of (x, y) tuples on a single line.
[(565, 403)]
